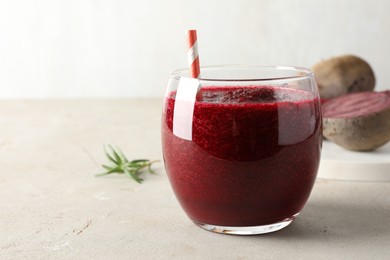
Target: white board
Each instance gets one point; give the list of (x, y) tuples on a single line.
[(339, 163)]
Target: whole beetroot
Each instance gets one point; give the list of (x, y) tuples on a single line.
[(342, 75), (358, 121)]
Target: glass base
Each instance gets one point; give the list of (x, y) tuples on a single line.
[(249, 230)]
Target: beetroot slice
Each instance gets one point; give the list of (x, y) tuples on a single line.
[(356, 104), (358, 121)]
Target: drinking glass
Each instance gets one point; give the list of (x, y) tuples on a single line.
[(242, 145)]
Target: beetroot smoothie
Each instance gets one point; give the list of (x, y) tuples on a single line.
[(253, 157)]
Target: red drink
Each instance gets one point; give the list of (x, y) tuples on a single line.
[(253, 157)]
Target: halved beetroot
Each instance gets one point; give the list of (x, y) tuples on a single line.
[(358, 121)]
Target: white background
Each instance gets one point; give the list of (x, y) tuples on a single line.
[(112, 48)]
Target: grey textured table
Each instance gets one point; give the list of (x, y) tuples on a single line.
[(52, 206)]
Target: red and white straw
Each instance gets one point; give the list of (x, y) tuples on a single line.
[(193, 55)]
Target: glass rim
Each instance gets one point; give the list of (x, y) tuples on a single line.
[(179, 73)]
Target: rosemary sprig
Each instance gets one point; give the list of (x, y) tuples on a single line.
[(120, 164)]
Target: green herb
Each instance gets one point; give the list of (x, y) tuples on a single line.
[(120, 164)]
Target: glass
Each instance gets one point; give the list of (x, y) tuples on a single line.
[(242, 145)]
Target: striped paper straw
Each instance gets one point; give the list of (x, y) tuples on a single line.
[(193, 56)]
